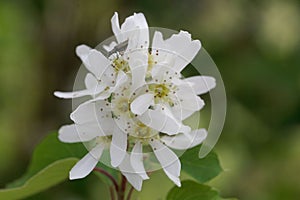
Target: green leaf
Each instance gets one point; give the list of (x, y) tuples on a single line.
[(203, 169), (191, 190), (49, 176), (47, 152)]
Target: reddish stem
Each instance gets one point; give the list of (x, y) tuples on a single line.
[(130, 193), (112, 193), (113, 180), (123, 188)]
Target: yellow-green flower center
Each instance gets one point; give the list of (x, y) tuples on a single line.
[(119, 64)]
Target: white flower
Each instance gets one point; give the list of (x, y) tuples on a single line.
[(105, 71), (139, 98)]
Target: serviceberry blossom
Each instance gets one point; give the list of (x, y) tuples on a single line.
[(139, 99)]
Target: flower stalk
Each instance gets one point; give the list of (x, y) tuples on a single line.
[(108, 175), (121, 193)]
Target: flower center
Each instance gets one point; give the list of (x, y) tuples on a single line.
[(119, 64), (161, 93)]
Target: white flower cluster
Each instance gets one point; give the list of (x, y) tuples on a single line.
[(138, 99)]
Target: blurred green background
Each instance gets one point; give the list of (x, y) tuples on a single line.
[(254, 43)]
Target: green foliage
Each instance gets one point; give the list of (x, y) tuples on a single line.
[(47, 177), (191, 190), (50, 165), (203, 169), (46, 153)]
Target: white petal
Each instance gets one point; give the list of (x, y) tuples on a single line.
[(185, 48), (118, 147), (116, 27), (82, 51), (97, 63), (137, 20), (69, 134), (133, 178), (158, 41), (71, 95), (193, 103), (181, 45), (77, 133), (187, 101), (136, 159), (90, 81), (87, 163), (202, 84), (138, 63), (135, 29), (92, 85), (167, 158), (182, 141), (85, 113), (161, 120), (95, 114), (142, 103)]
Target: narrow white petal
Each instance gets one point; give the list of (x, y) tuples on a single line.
[(136, 159), (142, 103), (182, 141), (116, 27), (118, 147), (78, 133), (82, 51), (167, 158), (71, 95), (162, 120), (69, 134), (87, 163), (202, 84), (158, 41), (132, 177)]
